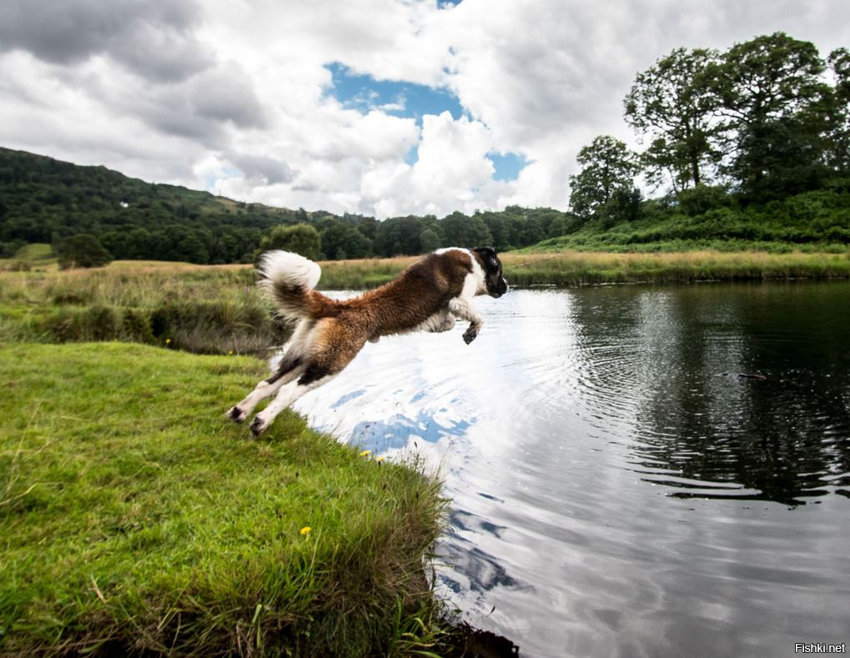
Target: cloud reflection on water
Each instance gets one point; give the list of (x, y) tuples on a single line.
[(617, 474)]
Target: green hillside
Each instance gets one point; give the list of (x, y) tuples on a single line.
[(43, 200)]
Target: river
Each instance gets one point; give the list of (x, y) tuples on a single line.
[(633, 471)]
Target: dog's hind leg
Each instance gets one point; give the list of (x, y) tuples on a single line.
[(291, 366), (285, 397), (334, 348), (288, 370)]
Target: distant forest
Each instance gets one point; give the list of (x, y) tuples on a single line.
[(750, 145), (45, 200)]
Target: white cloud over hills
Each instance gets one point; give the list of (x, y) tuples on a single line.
[(377, 107)]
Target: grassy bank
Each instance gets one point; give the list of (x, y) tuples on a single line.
[(135, 518), (582, 268), (575, 268), (203, 309)]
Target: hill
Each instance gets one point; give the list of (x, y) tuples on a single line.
[(817, 220), (43, 200)]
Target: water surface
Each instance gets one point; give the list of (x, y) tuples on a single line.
[(633, 471)]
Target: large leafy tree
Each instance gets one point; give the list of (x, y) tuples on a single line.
[(399, 235), (773, 100), (606, 178), (302, 239), (838, 151), (341, 240), (674, 105), (460, 230)]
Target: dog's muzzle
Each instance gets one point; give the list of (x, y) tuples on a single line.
[(499, 289)]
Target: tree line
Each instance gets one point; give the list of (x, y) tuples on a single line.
[(764, 120), (43, 200)]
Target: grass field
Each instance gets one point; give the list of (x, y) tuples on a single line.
[(204, 309), (576, 268), (135, 518)]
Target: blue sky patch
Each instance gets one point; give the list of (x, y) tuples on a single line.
[(363, 93), (403, 99), (507, 165), (412, 156)]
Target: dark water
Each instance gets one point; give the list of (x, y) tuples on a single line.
[(633, 471)]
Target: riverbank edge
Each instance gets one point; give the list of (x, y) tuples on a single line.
[(581, 268), (113, 571), (218, 309), (568, 268)]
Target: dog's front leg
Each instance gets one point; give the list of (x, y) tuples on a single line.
[(462, 308), (446, 322), (437, 323)]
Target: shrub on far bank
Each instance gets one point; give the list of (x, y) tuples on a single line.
[(83, 250)]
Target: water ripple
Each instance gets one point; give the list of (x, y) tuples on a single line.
[(643, 472)]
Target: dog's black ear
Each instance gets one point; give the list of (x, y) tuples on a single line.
[(488, 255)]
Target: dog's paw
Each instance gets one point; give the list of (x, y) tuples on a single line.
[(470, 334), (448, 325), (258, 425), (236, 414)]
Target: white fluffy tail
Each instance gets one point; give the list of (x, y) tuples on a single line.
[(289, 277)]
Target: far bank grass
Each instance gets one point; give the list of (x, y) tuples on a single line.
[(576, 268), (135, 519)]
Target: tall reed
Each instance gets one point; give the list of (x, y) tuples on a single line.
[(199, 309)]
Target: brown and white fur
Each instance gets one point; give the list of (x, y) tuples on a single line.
[(427, 296)]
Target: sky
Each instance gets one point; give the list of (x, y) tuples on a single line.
[(378, 107)]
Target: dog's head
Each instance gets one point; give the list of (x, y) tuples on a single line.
[(496, 284)]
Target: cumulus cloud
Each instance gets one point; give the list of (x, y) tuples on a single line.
[(152, 37), (238, 98), (263, 168)]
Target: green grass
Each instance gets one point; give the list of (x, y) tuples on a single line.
[(551, 264), (204, 309), (135, 518), (36, 252), (708, 218), (29, 257), (574, 268), (361, 274)]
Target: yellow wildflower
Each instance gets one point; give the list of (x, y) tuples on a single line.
[(365, 453), (305, 530)]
